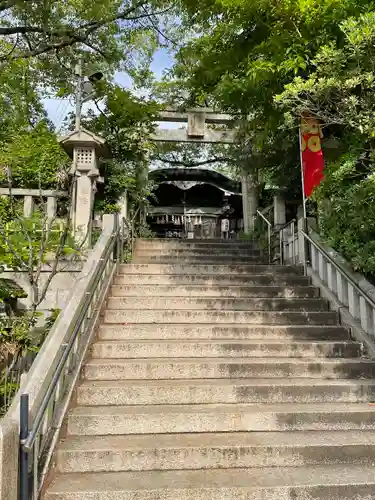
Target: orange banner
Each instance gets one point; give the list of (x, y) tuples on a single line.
[(311, 153)]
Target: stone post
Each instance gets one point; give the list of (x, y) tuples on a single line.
[(302, 247), (83, 209), (123, 202), (279, 208), (249, 200), (51, 207), (28, 206), (196, 124), (85, 148), (141, 180)]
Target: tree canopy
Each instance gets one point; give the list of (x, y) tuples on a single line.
[(125, 121), (271, 61), (268, 61), (121, 34)]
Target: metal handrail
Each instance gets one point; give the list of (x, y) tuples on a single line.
[(339, 268), (29, 442), (278, 228), (33, 440), (264, 218), (280, 231), (269, 230), (336, 265), (336, 278)]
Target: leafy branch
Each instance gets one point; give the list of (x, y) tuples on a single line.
[(68, 35)]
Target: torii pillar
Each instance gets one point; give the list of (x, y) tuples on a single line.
[(85, 149), (249, 186)]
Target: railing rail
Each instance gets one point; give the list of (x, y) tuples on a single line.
[(264, 218), (40, 431), (269, 232), (274, 235), (338, 267), (288, 238), (345, 288), (349, 289)]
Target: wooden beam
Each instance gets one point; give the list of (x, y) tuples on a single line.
[(170, 115), (33, 192), (210, 136)]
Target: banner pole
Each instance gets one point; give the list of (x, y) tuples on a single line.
[(306, 245), (302, 173)]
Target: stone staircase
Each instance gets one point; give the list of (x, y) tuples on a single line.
[(217, 377)]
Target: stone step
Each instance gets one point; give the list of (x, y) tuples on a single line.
[(198, 260), (194, 243), (128, 349), (214, 450), (211, 280), (217, 304), (226, 269), (289, 390), (222, 332), (185, 418), (333, 482), (252, 317), (213, 291), (217, 368), (197, 252)]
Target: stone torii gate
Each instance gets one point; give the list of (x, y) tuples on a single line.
[(197, 132), (85, 149)]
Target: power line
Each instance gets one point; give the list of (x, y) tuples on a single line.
[(63, 113)]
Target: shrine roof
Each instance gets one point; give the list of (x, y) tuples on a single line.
[(186, 178)]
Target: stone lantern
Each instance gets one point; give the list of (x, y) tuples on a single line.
[(85, 149)]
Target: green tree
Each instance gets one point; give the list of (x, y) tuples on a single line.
[(113, 35), (271, 61), (126, 122), (34, 157), (21, 107)]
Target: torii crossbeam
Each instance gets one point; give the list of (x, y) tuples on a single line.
[(196, 131)]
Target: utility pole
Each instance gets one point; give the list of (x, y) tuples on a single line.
[(77, 128), (79, 89)]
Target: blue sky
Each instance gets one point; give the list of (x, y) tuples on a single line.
[(57, 109)]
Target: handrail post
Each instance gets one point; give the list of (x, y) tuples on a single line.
[(281, 243), (122, 239), (24, 456), (269, 233), (306, 256), (269, 244), (116, 246), (293, 243)]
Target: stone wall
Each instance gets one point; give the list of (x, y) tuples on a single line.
[(59, 289)]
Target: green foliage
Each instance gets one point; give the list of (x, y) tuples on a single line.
[(341, 88), (27, 242), (126, 122), (29, 152), (50, 321), (40, 44), (112, 34), (246, 236), (16, 333), (272, 61), (5, 209), (220, 157), (127, 255), (10, 290), (143, 231), (34, 158), (20, 341), (346, 211), (20, 103)]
